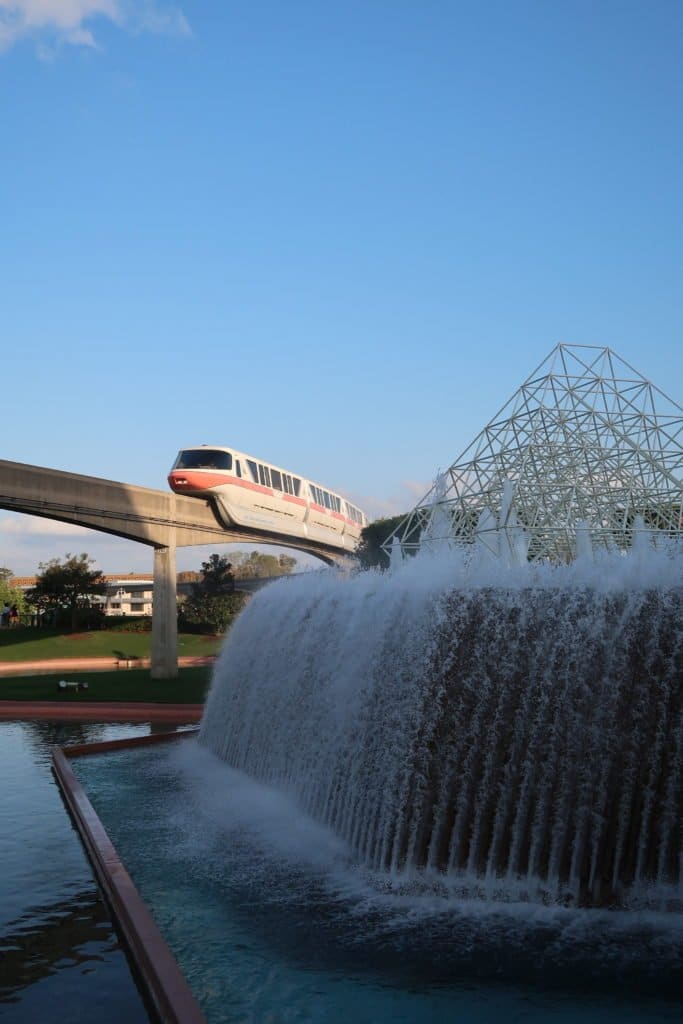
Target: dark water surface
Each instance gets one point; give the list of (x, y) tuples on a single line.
[(273, 922), (60, 959)]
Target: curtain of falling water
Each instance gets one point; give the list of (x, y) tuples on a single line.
[(524, 740)]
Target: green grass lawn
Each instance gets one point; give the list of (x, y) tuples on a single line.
[(128, 685), (26, 644)]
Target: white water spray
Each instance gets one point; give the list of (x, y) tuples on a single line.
[(514, 730)]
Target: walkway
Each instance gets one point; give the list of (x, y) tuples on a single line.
[(56, 665)]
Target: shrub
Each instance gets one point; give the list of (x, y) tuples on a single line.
[(128, 624), (207, 613)]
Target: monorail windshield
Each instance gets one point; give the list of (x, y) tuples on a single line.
[(203, 458)]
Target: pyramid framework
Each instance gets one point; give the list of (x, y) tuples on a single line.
[(585, 443)]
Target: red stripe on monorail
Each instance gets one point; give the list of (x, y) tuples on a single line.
[(329, 512), (239, 482), (205, 481)]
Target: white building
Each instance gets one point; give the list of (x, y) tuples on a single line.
[(128, 596)]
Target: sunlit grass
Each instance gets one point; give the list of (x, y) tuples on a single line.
[(128, 685), (26, 644)]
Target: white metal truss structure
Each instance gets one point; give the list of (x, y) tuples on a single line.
[(586, 444)]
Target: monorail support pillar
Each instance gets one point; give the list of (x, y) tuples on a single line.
[(165, 613)]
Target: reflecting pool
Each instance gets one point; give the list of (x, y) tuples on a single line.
[(272, 920), (60, 959)]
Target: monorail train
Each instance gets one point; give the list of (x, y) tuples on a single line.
[(259, 496)]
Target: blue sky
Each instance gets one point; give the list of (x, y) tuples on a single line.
[(335, 235)]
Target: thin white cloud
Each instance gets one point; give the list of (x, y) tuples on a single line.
[(52, 23), (410, 493), (18, 525), (28, 541), (150, 17)]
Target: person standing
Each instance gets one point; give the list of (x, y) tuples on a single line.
[(13, 616), (4, 615)]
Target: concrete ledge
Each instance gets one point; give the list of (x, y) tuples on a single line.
[(105, 746), (95, 711), (157, 969)]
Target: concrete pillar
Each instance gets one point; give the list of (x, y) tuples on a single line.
[(165, 613)]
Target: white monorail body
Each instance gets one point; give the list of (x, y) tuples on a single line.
[(259, 496)]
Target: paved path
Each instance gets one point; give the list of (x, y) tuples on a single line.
[(54, 665)]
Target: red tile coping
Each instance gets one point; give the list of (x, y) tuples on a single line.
[(99, 711), (162, 979), (105, 746)]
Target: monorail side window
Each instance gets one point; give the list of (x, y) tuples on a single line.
[(203, 458), (326, 499), (276, 477), (264, 475), (297, 486), (353, 513), (287, 482), (238, 468), (253, 469)]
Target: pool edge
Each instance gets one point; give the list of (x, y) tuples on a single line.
[(158, 971)]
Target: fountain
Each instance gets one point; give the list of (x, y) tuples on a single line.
[(466, 771), (513, 732), (502, 713)]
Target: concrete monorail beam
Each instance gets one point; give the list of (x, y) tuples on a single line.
[(161, 519)]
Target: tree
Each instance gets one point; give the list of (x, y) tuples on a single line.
[(69, 585), (372, 537), (212, 603), (258, 565), (9, 594), (287, 564), (216, 575)]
